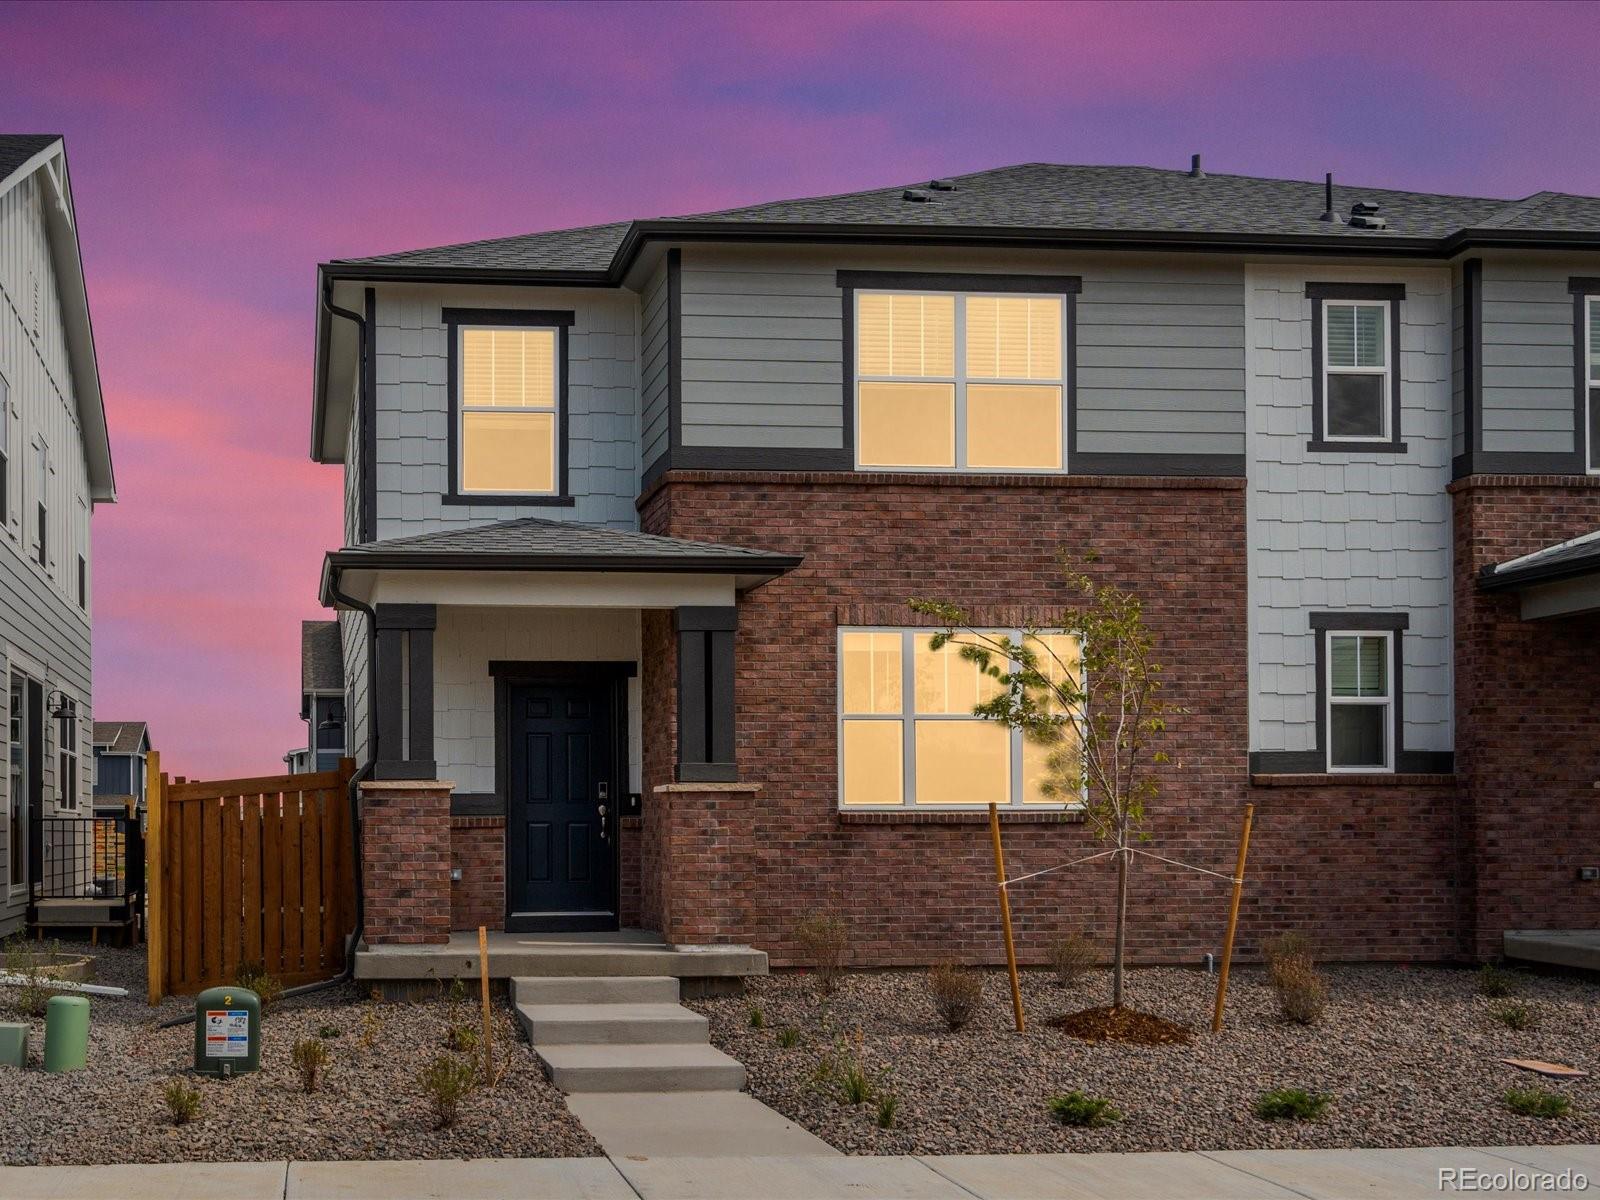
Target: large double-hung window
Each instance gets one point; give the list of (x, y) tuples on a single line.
[(960, 380), (907, 734), (1592, 382)]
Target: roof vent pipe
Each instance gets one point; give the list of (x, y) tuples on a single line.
[(1327, 212), (1194, 167)]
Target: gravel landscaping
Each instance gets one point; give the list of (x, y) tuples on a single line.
[(1408, 1055), (369, 1105)]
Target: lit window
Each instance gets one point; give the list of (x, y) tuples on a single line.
[(907, 734), (509, 388), (1355, 393), (1360, 702), (959, 382)]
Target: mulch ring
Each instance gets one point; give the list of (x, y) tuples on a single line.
[(1111, 1024)]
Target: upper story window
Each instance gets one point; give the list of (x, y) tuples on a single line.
[(960, 380), (42, 503), (907, 734), (1355, 366), (1592, 382), (508, 406), (5, 454)]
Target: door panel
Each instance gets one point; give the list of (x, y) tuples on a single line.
[(559, 869)]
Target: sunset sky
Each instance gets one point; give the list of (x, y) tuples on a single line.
[(218, 153)]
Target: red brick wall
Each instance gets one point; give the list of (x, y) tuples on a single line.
[(478, 851), (405, 861), (658, 665), (629, 901), (1527, 717), (1367, 869)]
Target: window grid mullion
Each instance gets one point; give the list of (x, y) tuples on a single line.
[(908, 718)]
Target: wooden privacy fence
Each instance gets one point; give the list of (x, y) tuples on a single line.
[(248, 872)]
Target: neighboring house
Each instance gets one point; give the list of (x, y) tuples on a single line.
[(55, 466), (120, 751), (632, 513), (322, 702)]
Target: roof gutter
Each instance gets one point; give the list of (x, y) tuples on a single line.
[(1490, 580), (329, 308)]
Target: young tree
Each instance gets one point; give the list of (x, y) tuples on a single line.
[(1100, 712)]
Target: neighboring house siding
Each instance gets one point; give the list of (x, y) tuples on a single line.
[(655, 369), (1527, 354), (412, 469), (115, 776), (468, 639), (1160, 346), (1336, 531), (43, 632)]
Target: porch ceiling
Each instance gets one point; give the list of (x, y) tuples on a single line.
[(511, 550)]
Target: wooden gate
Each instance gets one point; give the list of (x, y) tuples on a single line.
[(248, 872)]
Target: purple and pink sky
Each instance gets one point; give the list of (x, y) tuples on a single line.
[(219, 152)]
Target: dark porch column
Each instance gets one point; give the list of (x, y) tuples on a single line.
[(402, 694), (705, 695)]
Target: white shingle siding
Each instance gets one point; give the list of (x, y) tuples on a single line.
[(42, 630), (1346, 530), (412, 425), (468, 639)]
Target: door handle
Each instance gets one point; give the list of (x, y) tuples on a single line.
[(603, 834)]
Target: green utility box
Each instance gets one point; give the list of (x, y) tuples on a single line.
[(66, 1034), (227, 1031), (13, 1044)]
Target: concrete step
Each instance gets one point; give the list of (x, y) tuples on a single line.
[(638, 989), (611, 1024), (519, 956), (640, 1068)]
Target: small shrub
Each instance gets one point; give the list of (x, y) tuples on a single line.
[(956, 992), (27, 960), (1536, 1102), (456, 992), (254, 977), (183, 1101), (1496, 982), (1073, 957), (310, 1056), (462, 1037), (843, 1072), (758, 1019), (1291, 1104), (446, 1081), (371, 1027), (329, 1031), (824, 939), (855, 1084), (1087, 1112), (1288, 951), (888, 1109), (1515, 1015), (1292, 971), (788, 1037)]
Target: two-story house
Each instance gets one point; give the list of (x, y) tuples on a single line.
[(55, 466), (633, 513), (121, 752), (321, 699)]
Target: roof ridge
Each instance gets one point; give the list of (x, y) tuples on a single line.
[(1518, 208)]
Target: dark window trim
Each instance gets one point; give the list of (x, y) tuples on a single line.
[(1583, 288), (559, 319), (1393, 293), (1066, 286), (706, 708), (83, 582), (1471, 355), (1323, 623)]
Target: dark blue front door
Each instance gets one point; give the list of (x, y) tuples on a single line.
[(561, 816)]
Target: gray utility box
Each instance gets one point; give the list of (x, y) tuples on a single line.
[(227, 1031)]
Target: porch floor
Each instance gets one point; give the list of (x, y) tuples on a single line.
[(1557, 947), (533, 955)]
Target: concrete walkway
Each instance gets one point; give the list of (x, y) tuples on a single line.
[(1223, 1175)]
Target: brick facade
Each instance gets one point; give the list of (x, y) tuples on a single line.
[(1527, 714), (405, 861), (478, 851)]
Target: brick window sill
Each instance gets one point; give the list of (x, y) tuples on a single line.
[(1340, 780), (1054, 816)]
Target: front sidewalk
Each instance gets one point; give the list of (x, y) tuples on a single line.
[(1221, 1175)]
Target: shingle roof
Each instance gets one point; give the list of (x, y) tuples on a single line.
[(1579, 556), (321, 657), (18, 148), (120, 737), (1045, 197)]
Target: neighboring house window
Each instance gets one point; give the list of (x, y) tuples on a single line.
[(960, 380), (80, 533), (508, 406), (42, 504), (1355, 366), (1360, 702), (907, 735), (5, 453)]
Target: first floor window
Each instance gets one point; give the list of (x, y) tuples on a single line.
[(1360, 701), (67, 782), (907, 734), (16, 791), (509, 386)]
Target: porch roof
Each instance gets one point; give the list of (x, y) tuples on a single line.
[(1556, 581), (539, 544)]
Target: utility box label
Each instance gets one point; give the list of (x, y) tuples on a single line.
[(227, 1033)]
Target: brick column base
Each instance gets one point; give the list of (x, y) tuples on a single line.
[(478, 851), (706, 879), (405, 860)]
